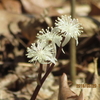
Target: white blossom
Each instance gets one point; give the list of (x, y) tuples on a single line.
[(41, 52), (50, 35), (70, 27)]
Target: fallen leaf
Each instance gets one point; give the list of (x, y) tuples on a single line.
[(38, 7), (12, 6), (65, 93), (5, 95), (80, 97), (88, 28), (6, 19), (1, 6), (45, 3), (95, 92), (95, 8), (29, 29), (30, 7)]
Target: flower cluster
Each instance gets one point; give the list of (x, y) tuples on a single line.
[(41, 52), (44, 49), (50, 35), (70, 27)]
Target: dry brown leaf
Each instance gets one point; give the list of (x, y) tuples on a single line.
[(95, 92), (7, 81), (5, 95), (65, 92), (1, 6), (45, 3), (54, 96), (38, 7), (29, 29), (53, 12), (6, 18), (80, 97), (91, 67), (30, 7), (88, 28), (12, 5), (95, 8)]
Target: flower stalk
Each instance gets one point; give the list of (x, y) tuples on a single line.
[(35, 93), (49, 69), (40, 74), (44, 51)]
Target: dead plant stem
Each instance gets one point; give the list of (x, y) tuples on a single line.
[(73, 48)]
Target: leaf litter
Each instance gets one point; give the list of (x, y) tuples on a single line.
[(19, 23)]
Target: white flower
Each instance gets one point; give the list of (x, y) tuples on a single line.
[(70, 27), (50, 35), (41, 52)]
